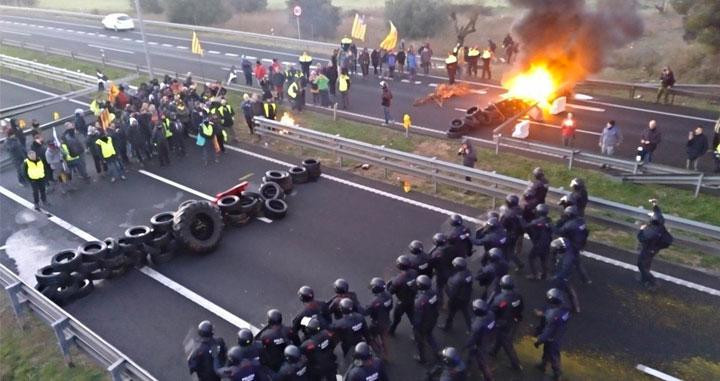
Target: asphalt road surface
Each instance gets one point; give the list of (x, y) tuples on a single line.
[(170, 51), (341, 226)]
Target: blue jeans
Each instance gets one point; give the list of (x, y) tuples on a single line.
[(386, 111)]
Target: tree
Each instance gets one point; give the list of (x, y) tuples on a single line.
[(149, 6), (416, 18), (197, 12), (701, 19), (463, 31), (249, 5), (319, 17)]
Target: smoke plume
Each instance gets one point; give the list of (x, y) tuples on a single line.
[(572, 38)]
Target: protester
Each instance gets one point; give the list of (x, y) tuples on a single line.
[(567, 130), (610, 138), (364, 60), (426, 58), (469, 157), (412, 63), (386, 99), (36, 173), (649, 140), (247, 70), (697, 145), (375, 59), (667, 81)]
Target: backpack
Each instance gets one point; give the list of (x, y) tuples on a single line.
[(74, 146), (666, 239)]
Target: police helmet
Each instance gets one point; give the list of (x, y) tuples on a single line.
[(538, 173), (440, 239), (450, 356), (512, 200), (274, 317), (496, 254), (403, 262), (542, 210), (559, 244), (493, 214), (479, 307), (416, 247), (292, 353), (341, 286), (571, 211), (235, 355), (313, 325), (459, 263), (554, 296), (507, 283), (306, 293), (205, 329), (245, 337), (456, 220), (577, 183), (346, 305), (565, 201), (492, 222), (423, 282), (362, 351), (377, 285)]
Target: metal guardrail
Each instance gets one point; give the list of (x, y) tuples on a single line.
[(633, 88), (47, 71), (68, 330), (697, 180), (12, 111), (438, 171)]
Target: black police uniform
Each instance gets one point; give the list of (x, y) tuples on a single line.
[(246, 370), (564, 270), (366, 370), (334, 304), (441, 261), (201, 360), (446, 372), (421, 263), (652, 237), (508, 309), (480, 334), (350, 329), (425, 318), (575, 230), (553, 325), (489, 238), (402, 286), (534, 196), (378, 311), (459, 291), (274, 339), (511, 220), (540, 231), (311, 309), (294, 371), (489, 277), (459, 241), (319, 349)]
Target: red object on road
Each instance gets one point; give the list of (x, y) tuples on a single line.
[(235, 191)]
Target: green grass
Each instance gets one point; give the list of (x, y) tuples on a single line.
[(33, 353), (87, 6)]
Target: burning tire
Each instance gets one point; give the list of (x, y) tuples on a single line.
[(299, 175), (198, 227), (313, 169), (275, 209)]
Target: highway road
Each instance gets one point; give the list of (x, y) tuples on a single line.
[(170, 51), (16, 91), (341, 226)]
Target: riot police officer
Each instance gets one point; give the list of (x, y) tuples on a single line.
[(491, 235), (511, 219), (483, 326), (342, 291), (508, 309), (425, 317), (573, 227), (540, 230), (652, 238), (403, 287), (441, 258), (240, 369), (550, 332), (420, 259), (274, 337), (379, 313), (201, 360), (319, 349), (579, 195), (365, 366), (311, 308), (566, 256), (489, 275), (351, 328), (295, 366), (459, 291), (459, 237), (535, 193), (249, 348), (452, 367)]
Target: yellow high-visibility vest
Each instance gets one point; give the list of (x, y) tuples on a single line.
[(305, 58), (451, 59), (106, 148), (268, 108), (292, 90), (486, 54), (35, 169), (167, 131), (346, 41), (473, 52), (66, 153), (207, 129), (343, 83)]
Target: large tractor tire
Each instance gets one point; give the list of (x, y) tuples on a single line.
[(198, 227)]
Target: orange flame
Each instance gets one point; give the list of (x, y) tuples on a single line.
[(536, 85)]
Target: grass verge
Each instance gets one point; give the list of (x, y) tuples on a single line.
[(64, 62), (33, 353)]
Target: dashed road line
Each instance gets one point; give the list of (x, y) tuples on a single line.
[(432, 84), (181, 47), (231, 54), (586, 108), (656, 373), (652, 111), (151, 42), (213, 52), (167, 45), (111, 49)]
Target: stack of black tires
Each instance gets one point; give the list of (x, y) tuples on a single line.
[(494, 114)]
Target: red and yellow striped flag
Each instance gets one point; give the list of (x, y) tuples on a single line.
[(195, 47)]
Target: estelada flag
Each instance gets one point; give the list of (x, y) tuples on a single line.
[(113, 91), (195, 47), (390, 40), (359, 28)]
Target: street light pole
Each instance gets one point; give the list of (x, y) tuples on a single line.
[(142, 33)]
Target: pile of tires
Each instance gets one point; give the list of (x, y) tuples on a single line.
[(457, 129)]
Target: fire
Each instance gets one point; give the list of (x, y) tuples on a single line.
[(287, 120), (537, 85)]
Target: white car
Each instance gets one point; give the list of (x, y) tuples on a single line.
[(118, 21)]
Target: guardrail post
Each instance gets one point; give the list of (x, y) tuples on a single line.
[(632, 92), (338, 156), (115, 369), (59, 328), (699, 184), (496, 137), (434, 178), (334, 111), (572, 159), (13, 290), (636, 166)]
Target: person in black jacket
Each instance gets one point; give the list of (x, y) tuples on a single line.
[(652, 238), (540, 230), (403, 287), (697, 145), (459, 291), (319, 349), (274, 337), (379, 313), (206, 352), (667, 81), (375, 60), (425, 317)]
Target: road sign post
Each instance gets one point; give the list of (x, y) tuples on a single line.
[(297, 11)]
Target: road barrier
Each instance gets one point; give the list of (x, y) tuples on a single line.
[(48, 71), (696, 180), (489, 183), (634, 88), (68, 330)]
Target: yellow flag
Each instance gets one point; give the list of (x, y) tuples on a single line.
[(391, 39), (55, 115), (196, 48), (359, 28)]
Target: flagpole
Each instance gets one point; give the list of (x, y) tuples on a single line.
[(142, 33)]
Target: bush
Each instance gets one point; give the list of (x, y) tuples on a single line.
[(197, 12), (417, 18), (319, 18), (149, 6), (249, 5)]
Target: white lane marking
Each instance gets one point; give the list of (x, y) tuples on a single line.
[(479, 91), (559, 127), (53, 28), (102, 35), (665, 277), (656, 373), (251, 57), (61, 29), (405, 80), (266, 60), (181, 47), (177, 185), (652, 111), (265, 220), (432, 84), (224, 68), (139, 41), (111, 49), (231, 54), (167, 45), (39, 26), (91, 33), (460, 109), (587, 108), (151, 42), (115, 37), (582, 97), (80, 32), (287, 63), (213, 52), (127, 39), (3, 247), (418, 82), (18, 33), (153, 274), (199, 300), (39, 90)]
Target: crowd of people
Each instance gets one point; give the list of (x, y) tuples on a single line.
[(427, 282)]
